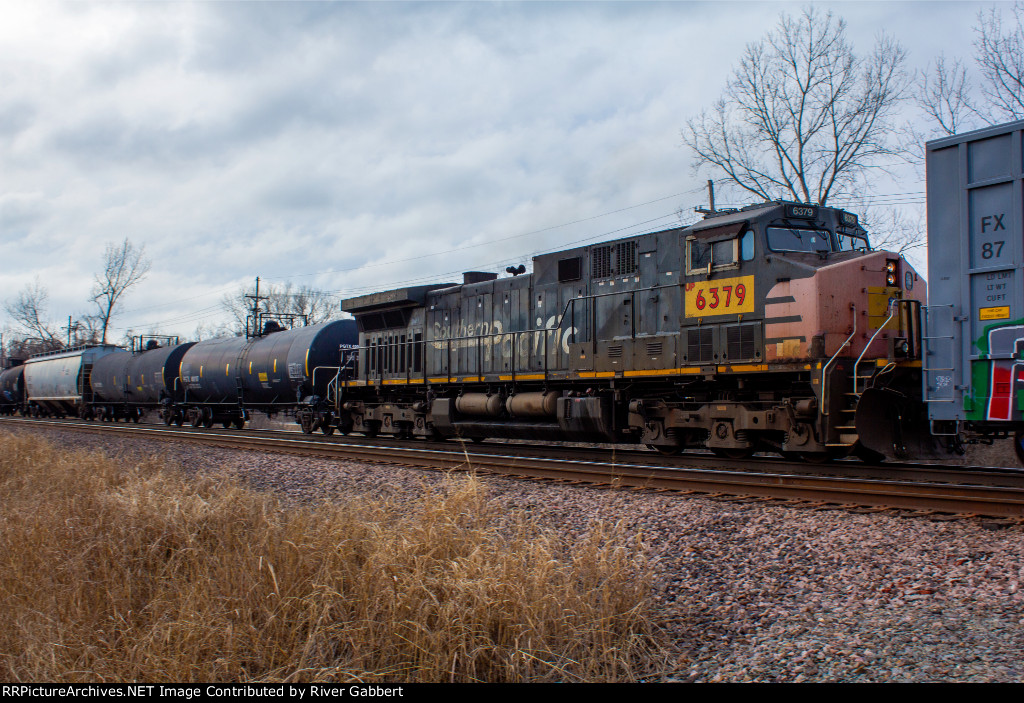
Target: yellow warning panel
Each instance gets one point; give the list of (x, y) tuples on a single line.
[(999, 313), (722, 296)]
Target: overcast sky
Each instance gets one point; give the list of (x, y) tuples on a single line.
[(361, 146)]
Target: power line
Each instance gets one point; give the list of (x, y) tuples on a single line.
[(492, 241)]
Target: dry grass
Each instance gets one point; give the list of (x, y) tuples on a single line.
[(117, 570)]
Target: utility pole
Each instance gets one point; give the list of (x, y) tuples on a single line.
[(255, 310), (711, 200), (70, 328)]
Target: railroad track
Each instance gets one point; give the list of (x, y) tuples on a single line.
[(921, 489)]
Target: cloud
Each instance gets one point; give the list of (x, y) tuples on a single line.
[(345, 144)]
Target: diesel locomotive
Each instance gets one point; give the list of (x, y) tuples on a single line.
[(755, 329)]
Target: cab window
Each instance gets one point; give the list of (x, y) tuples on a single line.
[(721, 254), (798, 239), (747, 245), (852, 242)]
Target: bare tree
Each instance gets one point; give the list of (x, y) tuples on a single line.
[(945, 96), (804, 117), (287, 299), (955, 99), (28, 310), (1000, 57), (123, 267)]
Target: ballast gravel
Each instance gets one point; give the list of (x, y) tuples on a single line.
[(746, 591)]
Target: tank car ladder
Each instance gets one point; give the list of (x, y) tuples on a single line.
[(239, 384)]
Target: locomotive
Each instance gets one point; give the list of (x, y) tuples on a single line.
[(755, 329)]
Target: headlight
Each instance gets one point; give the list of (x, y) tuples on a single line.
[(890, 272)]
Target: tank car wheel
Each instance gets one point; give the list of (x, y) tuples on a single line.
[(135, 417), (240, 423), (179, 419), (196, 420), (328, 430), (168, 417), (226, 424), (208, 422)]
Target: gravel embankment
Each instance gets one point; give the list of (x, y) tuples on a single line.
[(751, 591)]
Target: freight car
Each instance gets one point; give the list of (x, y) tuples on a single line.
[(218, 380), (59, 383), (757, 328), (974, 322), (222, 380), (12, 387), (126, 385)]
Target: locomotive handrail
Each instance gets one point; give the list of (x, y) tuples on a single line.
[(824, 386), (337, 370), (894, 305)]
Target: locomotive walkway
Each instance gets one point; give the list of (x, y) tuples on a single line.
[(927, 490)]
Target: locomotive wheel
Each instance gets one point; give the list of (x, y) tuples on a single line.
[(371, 429), (328, 430), (665, 450)]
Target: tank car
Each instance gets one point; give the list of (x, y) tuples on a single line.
[(59, 383), (127, 385), (12, 387), (758, 328), (280, 370)]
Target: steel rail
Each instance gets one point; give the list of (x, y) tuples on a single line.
[(777, 482)]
